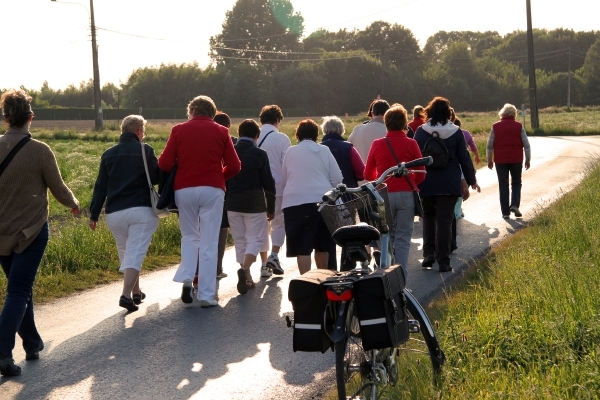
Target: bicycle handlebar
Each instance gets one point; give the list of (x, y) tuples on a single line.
[(399, 170)]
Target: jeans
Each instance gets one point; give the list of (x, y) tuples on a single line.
[(438, 214), (402, 205), (503, 170), (17, 313)]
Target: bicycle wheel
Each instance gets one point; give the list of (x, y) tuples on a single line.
[(420, 359), (353, 365)]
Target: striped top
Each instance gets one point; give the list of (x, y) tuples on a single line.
[(24, 191)]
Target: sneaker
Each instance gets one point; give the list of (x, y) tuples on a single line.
[(222, 275), (265, 272), (186, 292), (275, 265), (515, 211), (428, 262), (208, 303), (127, 304), (446, 268)]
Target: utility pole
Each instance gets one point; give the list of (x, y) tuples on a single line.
[(569, 84), (382, 72), (97, 98), (535, 123)]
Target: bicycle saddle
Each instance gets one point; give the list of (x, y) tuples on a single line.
[(361, 232)]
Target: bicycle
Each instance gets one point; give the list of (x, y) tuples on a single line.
[(355, 217)]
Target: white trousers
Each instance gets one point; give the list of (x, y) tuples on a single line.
[(132, 229), (200, 212), (248, 232), (277, 227)]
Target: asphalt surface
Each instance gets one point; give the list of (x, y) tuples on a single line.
[(242, 349)]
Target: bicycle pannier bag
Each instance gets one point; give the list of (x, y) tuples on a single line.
[(381, 308), (436, 148), (309, 301)]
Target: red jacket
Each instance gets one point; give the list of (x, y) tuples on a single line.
[(415, 123), (508, 146), (204, 154), (380, 158)]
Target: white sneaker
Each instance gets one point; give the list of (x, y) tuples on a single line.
[(275, 265), (265, 272), (208, 303)]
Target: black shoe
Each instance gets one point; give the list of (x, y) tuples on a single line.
[(127, 304), (515, 210), (428, 262), (186, 292), (445, 268), (34, 355), (241, 285), (138, 298), (8, 367)]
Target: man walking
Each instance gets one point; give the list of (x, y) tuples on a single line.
[(275, 144), (364, 134)]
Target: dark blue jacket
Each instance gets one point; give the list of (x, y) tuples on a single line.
[(122, 178), (341, 152), (446, 181), (252, 190)]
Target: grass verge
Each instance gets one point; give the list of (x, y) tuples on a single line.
[(524, 322)]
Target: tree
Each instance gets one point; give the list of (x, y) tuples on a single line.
[(591, 73), (256, 30), (398, 43)]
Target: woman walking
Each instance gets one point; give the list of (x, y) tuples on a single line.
[(250, 202), (505, 147), (309, 170), (28, 169), (205, 158), (123, 184), (387, 152)]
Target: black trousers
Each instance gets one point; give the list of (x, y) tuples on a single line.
[(438, 213)]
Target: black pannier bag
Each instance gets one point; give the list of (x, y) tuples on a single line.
[(309, 302), (380, 306)]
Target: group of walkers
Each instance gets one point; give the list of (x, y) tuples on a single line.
[(257, 185)]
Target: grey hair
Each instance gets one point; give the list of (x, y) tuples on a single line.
[(508, 111), (132, 122), (202, 105), (333, 124)]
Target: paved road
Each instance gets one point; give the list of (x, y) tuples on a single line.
[(242, 349)]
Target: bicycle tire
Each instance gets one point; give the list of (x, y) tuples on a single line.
[(421, 357), (352, 363)]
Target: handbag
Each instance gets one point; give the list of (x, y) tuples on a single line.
[(416, 197), (160, 213), (166, 193)]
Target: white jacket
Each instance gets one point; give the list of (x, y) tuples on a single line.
[(275, 145), (309, 171)]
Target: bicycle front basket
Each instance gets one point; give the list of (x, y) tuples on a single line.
[(352, 208)]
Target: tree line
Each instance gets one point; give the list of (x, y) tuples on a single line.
[(261, 57)]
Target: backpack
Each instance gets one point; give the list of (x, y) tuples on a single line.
[(436, 148)]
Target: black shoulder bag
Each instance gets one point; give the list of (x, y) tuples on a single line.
[(418, 205), (12, 153)]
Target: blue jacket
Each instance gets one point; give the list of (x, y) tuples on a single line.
[(122, 178), (446, 181), (341, 152)]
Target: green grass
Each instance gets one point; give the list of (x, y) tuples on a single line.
[(525, 321)]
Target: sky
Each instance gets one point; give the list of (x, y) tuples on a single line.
[(46, 40)]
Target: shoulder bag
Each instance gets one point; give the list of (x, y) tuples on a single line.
[(160, 213), (418, 204)]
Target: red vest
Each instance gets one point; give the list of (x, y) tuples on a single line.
[(508, 146)]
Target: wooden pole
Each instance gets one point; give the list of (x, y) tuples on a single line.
[(535, 123)]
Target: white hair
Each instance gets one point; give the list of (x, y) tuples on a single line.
[(332, 124), (508, 111)]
